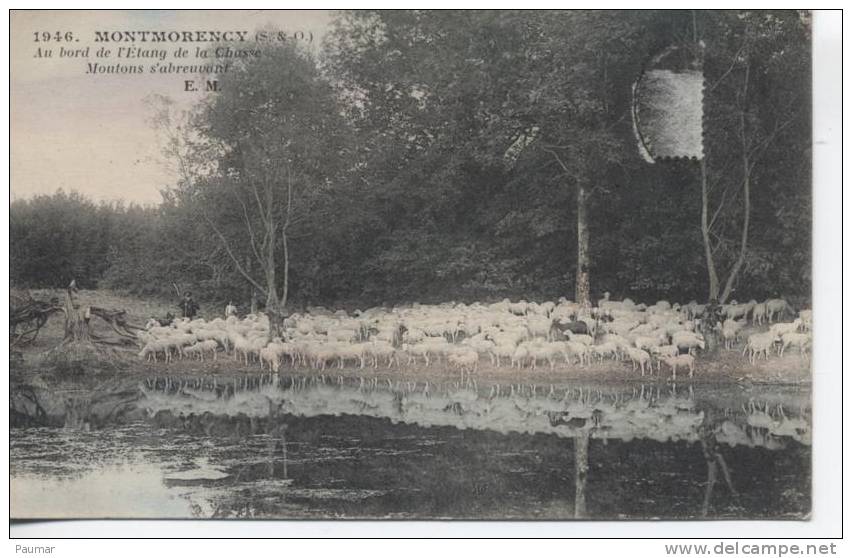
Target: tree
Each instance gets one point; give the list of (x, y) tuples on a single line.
[(262, 158), (451, 158), (59, 237), (571, 107), (757, 67), (486, 103)]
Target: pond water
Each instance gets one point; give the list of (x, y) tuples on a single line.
[(303, 448)]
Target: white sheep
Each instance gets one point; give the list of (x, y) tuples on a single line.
[(645, 343), (730, 332), (688, 340), (269, 355), (687, 361), (807, 317), (255, 344), (586, 340), (580, 350), (354, 352), (759, 343), (499, 352), (322, 355), (341, 334), (155, 347), (548, 352), (605, 349), (776, 307), (801, 340), (464, 360), (664, 351), (780, 329), (415, 350), (619, 341), (758, 314), (378, 350), (638, 357), (209, 346), (519, 356), (480, 345)]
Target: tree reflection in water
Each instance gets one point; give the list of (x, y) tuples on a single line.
[(297, 448)]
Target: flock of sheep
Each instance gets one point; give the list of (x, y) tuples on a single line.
[(520, 334)]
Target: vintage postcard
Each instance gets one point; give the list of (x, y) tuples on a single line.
[(504, 265)]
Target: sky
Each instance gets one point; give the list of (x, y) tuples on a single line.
[(91, 133)]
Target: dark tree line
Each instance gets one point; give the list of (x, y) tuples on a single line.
[(431, 156)]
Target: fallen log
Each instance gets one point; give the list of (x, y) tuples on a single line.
[(117, 319), (27, 316)]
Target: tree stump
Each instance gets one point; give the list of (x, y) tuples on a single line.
[(80, 349), (76, 318)]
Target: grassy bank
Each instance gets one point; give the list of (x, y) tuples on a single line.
[(724, 366)]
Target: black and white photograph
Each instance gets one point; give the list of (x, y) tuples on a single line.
[(411, 265)]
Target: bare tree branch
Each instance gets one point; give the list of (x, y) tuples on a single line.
[(252, 240), (230, 252), (718, 209), (730, 68)]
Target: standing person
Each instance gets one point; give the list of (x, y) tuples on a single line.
[(230, 309), (188, 307)]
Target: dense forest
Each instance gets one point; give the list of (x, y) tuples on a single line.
[(434, 156)]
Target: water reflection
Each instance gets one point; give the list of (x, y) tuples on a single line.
[(331, 447)]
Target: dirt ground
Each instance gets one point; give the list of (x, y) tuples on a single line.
[(723, 366)]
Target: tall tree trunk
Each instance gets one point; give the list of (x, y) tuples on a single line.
[(582, 295), (273, 311), (713, 278), (76, 319), (252, 288), (285, 289), (735, 270), (275, 306)]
